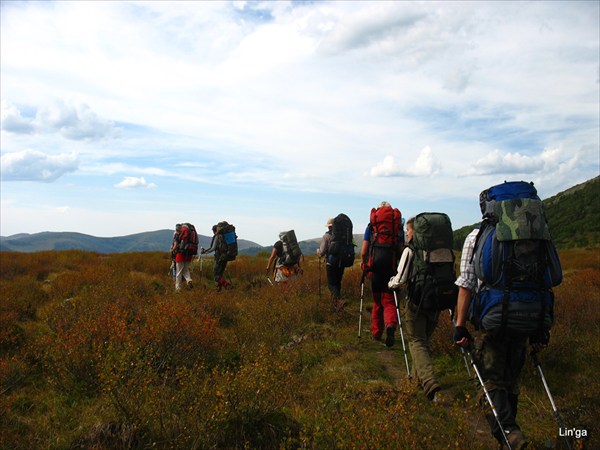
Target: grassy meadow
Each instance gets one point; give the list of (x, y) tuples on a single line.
[(98, 352)]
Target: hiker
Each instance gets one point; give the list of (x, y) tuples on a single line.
[(180, 248), (382, 245), (337, 248), (285, 258), (219, 246), (173, 268), (424, 294), (499, 342)]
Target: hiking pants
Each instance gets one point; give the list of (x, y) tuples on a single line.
[(182, 273), (219, 268), (383, 314), (420, 325), (500, 360), (334, 280)]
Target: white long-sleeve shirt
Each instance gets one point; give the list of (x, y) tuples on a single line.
[(404, 268)]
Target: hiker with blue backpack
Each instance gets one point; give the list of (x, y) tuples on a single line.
[(426, 268), (224, 244), (508, 268), (337, 247)]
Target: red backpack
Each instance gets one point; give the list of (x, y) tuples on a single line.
[(188, 240), (385, 223)]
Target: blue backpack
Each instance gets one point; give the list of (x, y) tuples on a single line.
[(515, 260)]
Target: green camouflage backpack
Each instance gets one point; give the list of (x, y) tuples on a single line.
[(431, 284)]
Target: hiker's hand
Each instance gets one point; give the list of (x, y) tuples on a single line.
[(392, 284), (462, 337), (539, 341), (202, 250)]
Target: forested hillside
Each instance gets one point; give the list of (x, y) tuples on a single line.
[(573, 217)]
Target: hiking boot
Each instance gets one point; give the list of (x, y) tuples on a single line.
[(190, 285), (516, 439), (390, 339), (431, 388)]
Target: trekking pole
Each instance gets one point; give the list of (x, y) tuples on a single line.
[(489, 399), (173, 269), (462, 350), (362, 294), (319, 278), (402, 334), (537, 364)]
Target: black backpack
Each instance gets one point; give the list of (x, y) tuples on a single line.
[(341, 249)]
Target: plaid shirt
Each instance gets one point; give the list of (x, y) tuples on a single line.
[(467, 278)]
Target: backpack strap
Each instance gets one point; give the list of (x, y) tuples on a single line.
[(507, 266), (482, 226)]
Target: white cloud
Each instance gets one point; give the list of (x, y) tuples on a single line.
[(74, 121), (424, 165), (33, 165), (291, 97), (12, 120), (134, 183), (498, 162)]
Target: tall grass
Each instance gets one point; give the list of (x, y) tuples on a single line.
[(98, 351)]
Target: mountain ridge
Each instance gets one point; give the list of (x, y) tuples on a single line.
[(159, 240)]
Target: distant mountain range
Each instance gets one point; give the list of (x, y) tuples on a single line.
[(573, 216), (141, 242)]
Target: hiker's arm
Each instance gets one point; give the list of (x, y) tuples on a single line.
[(272, 258), (401, 276), (364, 251), (462, 311), (324, 247), (213, 246)]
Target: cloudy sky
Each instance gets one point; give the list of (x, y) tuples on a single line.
[(124, 117)]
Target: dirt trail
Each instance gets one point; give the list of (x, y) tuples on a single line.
[(479, 434), (391, 363)]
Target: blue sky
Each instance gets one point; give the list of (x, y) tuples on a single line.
[(124, 117)]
